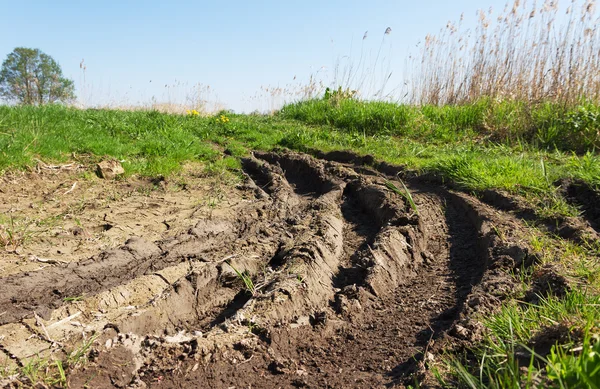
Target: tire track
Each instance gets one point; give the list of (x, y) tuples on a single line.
[(345, 277)]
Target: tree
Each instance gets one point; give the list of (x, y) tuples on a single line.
[(31, 77)]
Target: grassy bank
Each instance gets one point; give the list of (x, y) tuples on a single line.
[(449, 140), (453, 146), (546, 126), (519, 349)]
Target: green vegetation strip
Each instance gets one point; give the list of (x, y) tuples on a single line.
[(506, 358), (153, 143)]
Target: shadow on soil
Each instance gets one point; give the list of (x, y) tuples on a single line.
[(466, 270)]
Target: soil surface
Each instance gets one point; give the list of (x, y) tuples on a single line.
[(314, 272)]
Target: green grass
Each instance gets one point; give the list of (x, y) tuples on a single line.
[(405, 194), (148, 142), (245, 278), (14, 233), (545, 125), (445, 141), (383, 118), (572, 370), (45, 372), (570, 362)]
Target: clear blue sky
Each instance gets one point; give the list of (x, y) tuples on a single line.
[(235, 47)]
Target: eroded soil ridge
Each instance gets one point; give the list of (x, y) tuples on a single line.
[(325, 278)]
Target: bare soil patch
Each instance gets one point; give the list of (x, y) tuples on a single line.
[(350, 286), (67, 214), (585, 197)]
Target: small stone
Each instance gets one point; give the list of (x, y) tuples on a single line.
[(181, 337), (278, 367), (461, 331), (109, 169), (301, 321)]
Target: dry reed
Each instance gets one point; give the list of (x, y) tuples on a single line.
[(175, 98), (526, 53)]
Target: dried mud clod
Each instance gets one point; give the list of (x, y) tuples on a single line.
[(583, 195), (547, 282), (543, 340), (324, 270)]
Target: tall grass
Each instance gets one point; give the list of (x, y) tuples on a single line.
[(547, 125), (369, 77), (551, 344), (526, 53), (269, 99), (365, 74)]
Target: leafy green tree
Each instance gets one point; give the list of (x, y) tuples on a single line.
[(31, 77)]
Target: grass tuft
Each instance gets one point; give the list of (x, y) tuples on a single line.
[(509, 355), (405, 194), (13, 234), (246, 279)]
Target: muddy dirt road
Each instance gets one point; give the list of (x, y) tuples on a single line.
[(322, 276)]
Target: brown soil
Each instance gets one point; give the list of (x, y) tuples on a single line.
[(62, 223), (350, 286), (585, 197)]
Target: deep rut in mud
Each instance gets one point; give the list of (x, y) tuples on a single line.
[(346, 285)]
